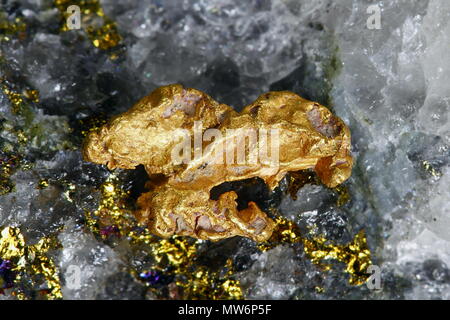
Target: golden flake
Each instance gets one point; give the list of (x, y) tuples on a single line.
[(105, 36), (32, 95), (176, 250), (8, 165), (11, 28), (430, 169), (356, 254), (201, 283), (22, 138), (343, 195), (31, 260), (42, 184), (15, 98), (20, 101), (12, 243), (91, 124)]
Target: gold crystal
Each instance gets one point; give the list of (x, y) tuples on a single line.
[(355, 255), (32, 260), (178, 202)]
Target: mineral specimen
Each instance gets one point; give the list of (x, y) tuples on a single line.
[(389, 85), (303, 135)]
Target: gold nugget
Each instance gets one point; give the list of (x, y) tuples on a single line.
[(189, 143)]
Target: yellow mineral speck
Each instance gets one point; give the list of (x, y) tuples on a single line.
[(31, 260), (18, 99), (430, 169), (10, 28), (12, 243), (233, 289), (177, 250), (308, 136), (105, 36), (9, 163), (15, 98), (356, 254), (343, 195), (109, 188), (319, 289), (43, 183), (32, 95), (22, 138)]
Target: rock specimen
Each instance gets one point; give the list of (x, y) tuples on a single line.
[(189, 143)]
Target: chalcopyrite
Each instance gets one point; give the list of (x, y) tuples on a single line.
[(189, 143)]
